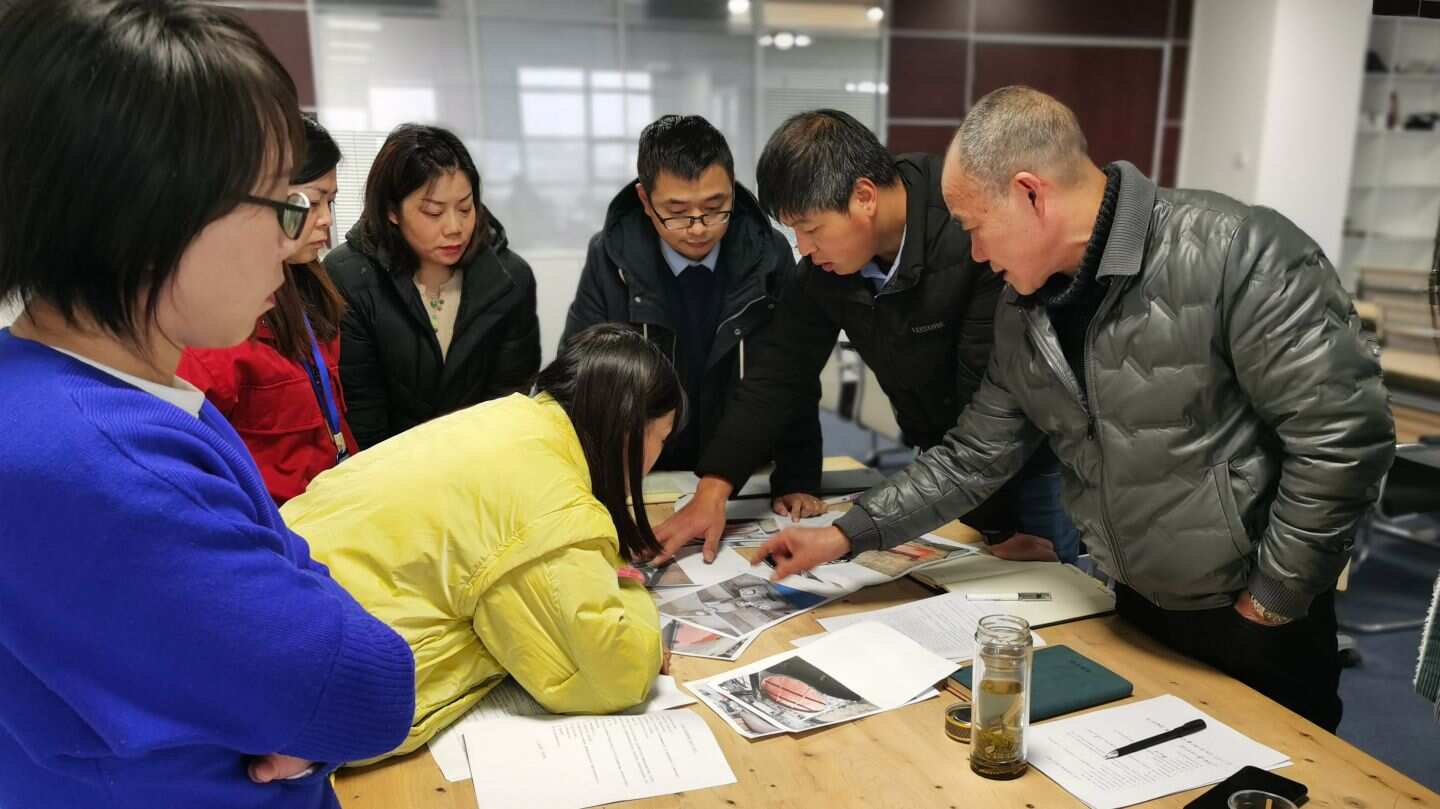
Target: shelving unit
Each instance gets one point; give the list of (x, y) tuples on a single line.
[(1394, 205), (1393, 215)]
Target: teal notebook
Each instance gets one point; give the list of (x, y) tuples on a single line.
[(1062, 681)]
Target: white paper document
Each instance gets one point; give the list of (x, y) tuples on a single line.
[(1072, 753), (572, 762), (693, 641), (747, 723), (943, 624), (690, 570), (740, 606), (758, 508), (856, 672), (508, 699), (756, 532)]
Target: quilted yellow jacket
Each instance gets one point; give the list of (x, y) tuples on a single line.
[(477, 538)]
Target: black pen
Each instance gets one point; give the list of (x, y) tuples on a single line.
[(1193, 726)]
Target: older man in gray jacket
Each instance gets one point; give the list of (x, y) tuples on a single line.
[(1198, 369)]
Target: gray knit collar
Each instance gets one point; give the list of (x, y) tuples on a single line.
[(1125, 249)]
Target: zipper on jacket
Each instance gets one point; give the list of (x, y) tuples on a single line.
[(1092, 411), (727, 321), (1055, 358)]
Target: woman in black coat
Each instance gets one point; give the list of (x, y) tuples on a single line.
[(441, 311)]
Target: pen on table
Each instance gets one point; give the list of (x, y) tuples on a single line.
[(1193, 726), (1007, 597)]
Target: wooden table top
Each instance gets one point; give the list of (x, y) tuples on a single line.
[(903, 758)]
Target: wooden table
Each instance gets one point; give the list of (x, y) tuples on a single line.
[(903, 759)]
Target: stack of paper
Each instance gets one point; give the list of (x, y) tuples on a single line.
[(752, 533), (572, 762), (1072, 753), (508, 700), (856, 672), (716, 610)]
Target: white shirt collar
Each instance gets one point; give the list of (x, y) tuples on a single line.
[(182, 394)]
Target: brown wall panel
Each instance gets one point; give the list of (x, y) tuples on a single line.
[(1121, 18), (1115, 92), (927, 77), (932, 139), (930, 15), (287, 33)]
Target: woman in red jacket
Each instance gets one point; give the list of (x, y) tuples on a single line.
[(281, 388)]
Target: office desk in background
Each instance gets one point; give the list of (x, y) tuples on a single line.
[(902, 759)]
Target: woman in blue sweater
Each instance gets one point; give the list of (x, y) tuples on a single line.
[(165, 641)]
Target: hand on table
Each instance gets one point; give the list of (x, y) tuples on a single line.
[(701, 518), (798, 506), (796, 550)]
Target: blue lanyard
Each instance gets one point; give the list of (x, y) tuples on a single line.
[(320, 383)]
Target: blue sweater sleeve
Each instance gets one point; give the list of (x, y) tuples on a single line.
[(136, 590)]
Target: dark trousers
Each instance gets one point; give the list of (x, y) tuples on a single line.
[(1296, 664)]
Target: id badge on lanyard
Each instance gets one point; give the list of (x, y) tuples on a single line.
[(325, 395)]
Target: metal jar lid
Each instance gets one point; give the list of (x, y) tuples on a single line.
[(957, 722)]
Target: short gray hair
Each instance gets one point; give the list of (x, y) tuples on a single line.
[(1015, 129)]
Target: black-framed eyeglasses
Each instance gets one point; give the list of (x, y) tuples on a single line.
[(708, 220), (292, 213)]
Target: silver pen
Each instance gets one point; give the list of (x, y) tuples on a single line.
[(1007, 596)]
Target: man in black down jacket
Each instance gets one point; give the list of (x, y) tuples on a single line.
[(687, 257), (1199, 371)]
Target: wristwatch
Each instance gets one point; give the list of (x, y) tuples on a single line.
[(1272, 618)]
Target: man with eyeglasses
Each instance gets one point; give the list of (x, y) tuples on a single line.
[(884, 262), (689, 259)]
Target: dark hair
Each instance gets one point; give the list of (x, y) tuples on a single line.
[(812, 161), (129, 125), (322, 153), (683, 145), (414, 155), (308, 288), (611, 381)]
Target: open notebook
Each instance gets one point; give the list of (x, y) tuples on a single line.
[(1073, 593)]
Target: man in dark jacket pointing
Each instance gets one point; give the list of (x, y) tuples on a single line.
[(884, 263), (1198, 369)]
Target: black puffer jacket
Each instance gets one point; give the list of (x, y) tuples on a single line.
[(927, 336), (623, 281), (390, 361), (1232, 430)]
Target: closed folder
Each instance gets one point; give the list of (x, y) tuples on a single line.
[(1063, 681)]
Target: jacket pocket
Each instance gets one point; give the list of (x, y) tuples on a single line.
[(280, 408), (1220, 474)]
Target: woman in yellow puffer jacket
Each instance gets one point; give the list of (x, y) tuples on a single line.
[(491, 538)]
